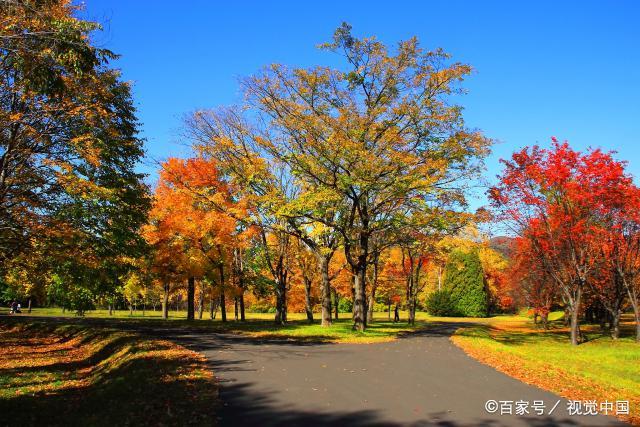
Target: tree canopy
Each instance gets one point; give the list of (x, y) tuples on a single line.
[(69, 146)]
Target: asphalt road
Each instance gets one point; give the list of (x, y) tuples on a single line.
[(421, 380)]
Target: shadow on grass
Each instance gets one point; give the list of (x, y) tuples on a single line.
[(296, 331), (557, 333), (126, 381)]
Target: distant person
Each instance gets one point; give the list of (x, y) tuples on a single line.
[(14, 307), (396, 314), (19, 308)]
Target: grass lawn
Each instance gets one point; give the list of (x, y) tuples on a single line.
[(76, 375), (600, 369), (261, 325)]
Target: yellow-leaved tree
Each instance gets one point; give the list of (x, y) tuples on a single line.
[(360, 147)]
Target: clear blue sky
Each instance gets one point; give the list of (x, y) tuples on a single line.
[(564, 68)]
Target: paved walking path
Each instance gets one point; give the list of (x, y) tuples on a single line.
[(420, 380)]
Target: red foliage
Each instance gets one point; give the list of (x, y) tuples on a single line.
[(567, 207)]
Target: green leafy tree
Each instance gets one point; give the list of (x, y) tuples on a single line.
[(464, 279), (69, 192)]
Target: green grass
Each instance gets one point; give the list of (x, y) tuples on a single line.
[(261, 325), (600, 369), (69, 374), (340, 331)]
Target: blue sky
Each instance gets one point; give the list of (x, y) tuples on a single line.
[(542, 68)]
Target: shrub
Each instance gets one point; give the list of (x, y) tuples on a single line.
[(260, 307), (379, 307), (440, 303), (345, 305)]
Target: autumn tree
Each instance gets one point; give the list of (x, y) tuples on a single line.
[(307, 269), (556, 199), (167, 257), (495, 267), (199, 236), (391, 284), (533, 283), (241, 241), (620, 250), (374, 138), (68, 148), (414, 261), (324, 242)]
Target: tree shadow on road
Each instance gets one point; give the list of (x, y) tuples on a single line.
[(251, 409)]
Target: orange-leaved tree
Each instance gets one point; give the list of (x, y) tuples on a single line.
[(192, 235)]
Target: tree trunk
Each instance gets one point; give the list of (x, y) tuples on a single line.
[(110, 310), (411, 284), (389, 308), (214, 312), (353, 296), (241, 299), (411, 299), (235, 308), (374, 286), (360, 283), (325, 291), (615, 324), (336, 300), (307, 298), (223, 306), (359, 303), (211, 305), (281, 301), (201, 301), (575, 321), (29, 309), (165, 301), (223, 302), (239, 265), (412, 310), (130, 309), (636, 315), (635, 304), (191, 291)]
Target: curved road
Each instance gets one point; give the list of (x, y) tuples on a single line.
[(420, 380)]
